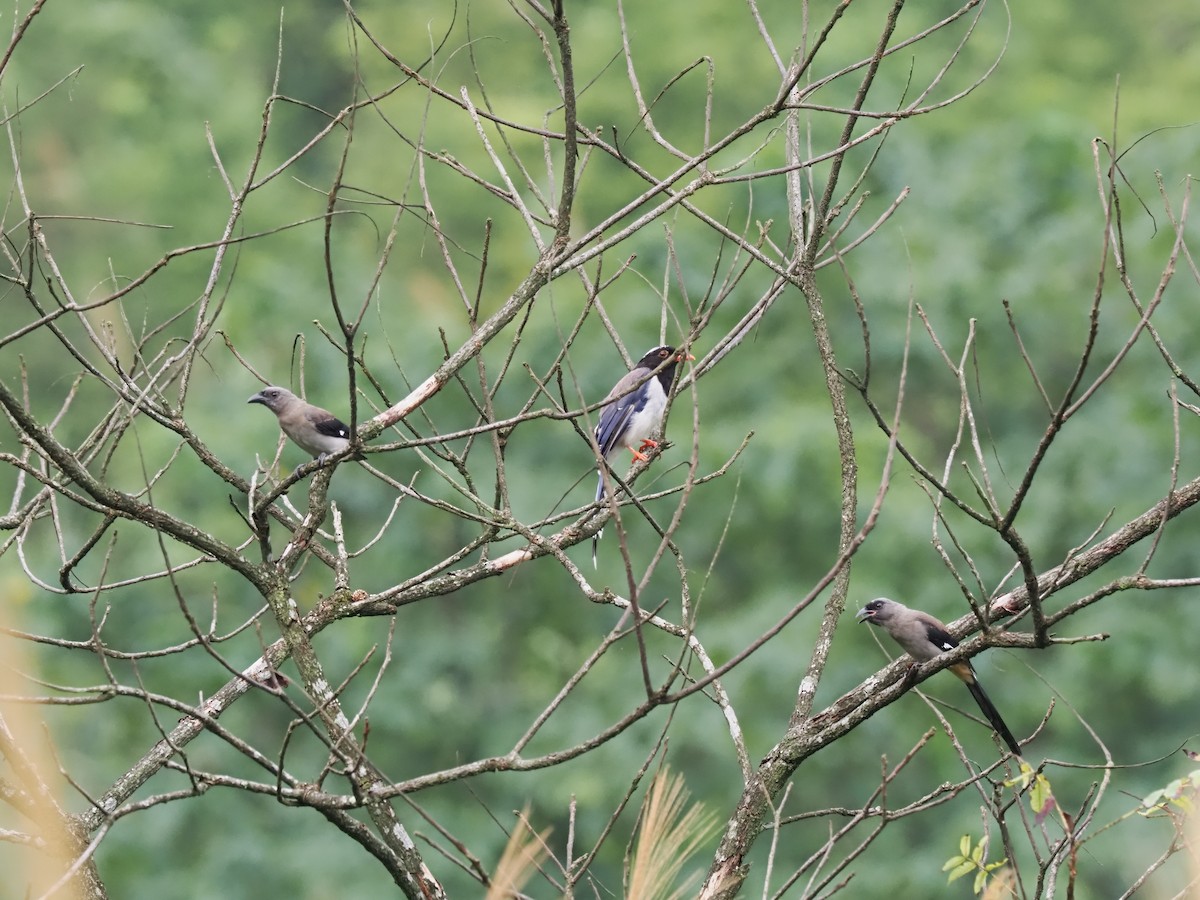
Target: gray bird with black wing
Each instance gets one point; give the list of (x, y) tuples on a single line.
[(314, 430), (925, 637)]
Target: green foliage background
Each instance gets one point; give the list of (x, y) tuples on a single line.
[(1002, 207)]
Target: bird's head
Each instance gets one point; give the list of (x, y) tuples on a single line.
[(273, 398), (877, 611), (654, 359)]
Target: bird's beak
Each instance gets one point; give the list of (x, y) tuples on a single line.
[(863, 614), (685, 355), (257, 398)]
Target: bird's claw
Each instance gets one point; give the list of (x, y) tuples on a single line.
[(639, 454)]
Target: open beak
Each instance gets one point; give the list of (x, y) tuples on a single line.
[(863, 614)]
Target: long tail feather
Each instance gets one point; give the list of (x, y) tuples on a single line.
[(993, 715), (599, 496)]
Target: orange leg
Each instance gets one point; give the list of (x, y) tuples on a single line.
[(640, 455)]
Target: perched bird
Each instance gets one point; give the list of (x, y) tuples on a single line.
[(924, 637), (633, 412), (314, 430)]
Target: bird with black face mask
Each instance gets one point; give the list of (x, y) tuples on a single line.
[(314, 430), (633, 412), (925, 637)]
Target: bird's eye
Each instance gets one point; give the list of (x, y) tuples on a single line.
[(662, 354)]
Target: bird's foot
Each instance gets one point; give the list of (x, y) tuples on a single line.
[(639, 454)]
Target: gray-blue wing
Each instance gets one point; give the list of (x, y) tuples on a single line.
[(614, 418)]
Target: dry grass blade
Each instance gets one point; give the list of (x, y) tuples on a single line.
[(1002, 885), (668, 836), (522, 855)]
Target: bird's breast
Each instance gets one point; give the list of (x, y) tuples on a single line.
[(647, 415)]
